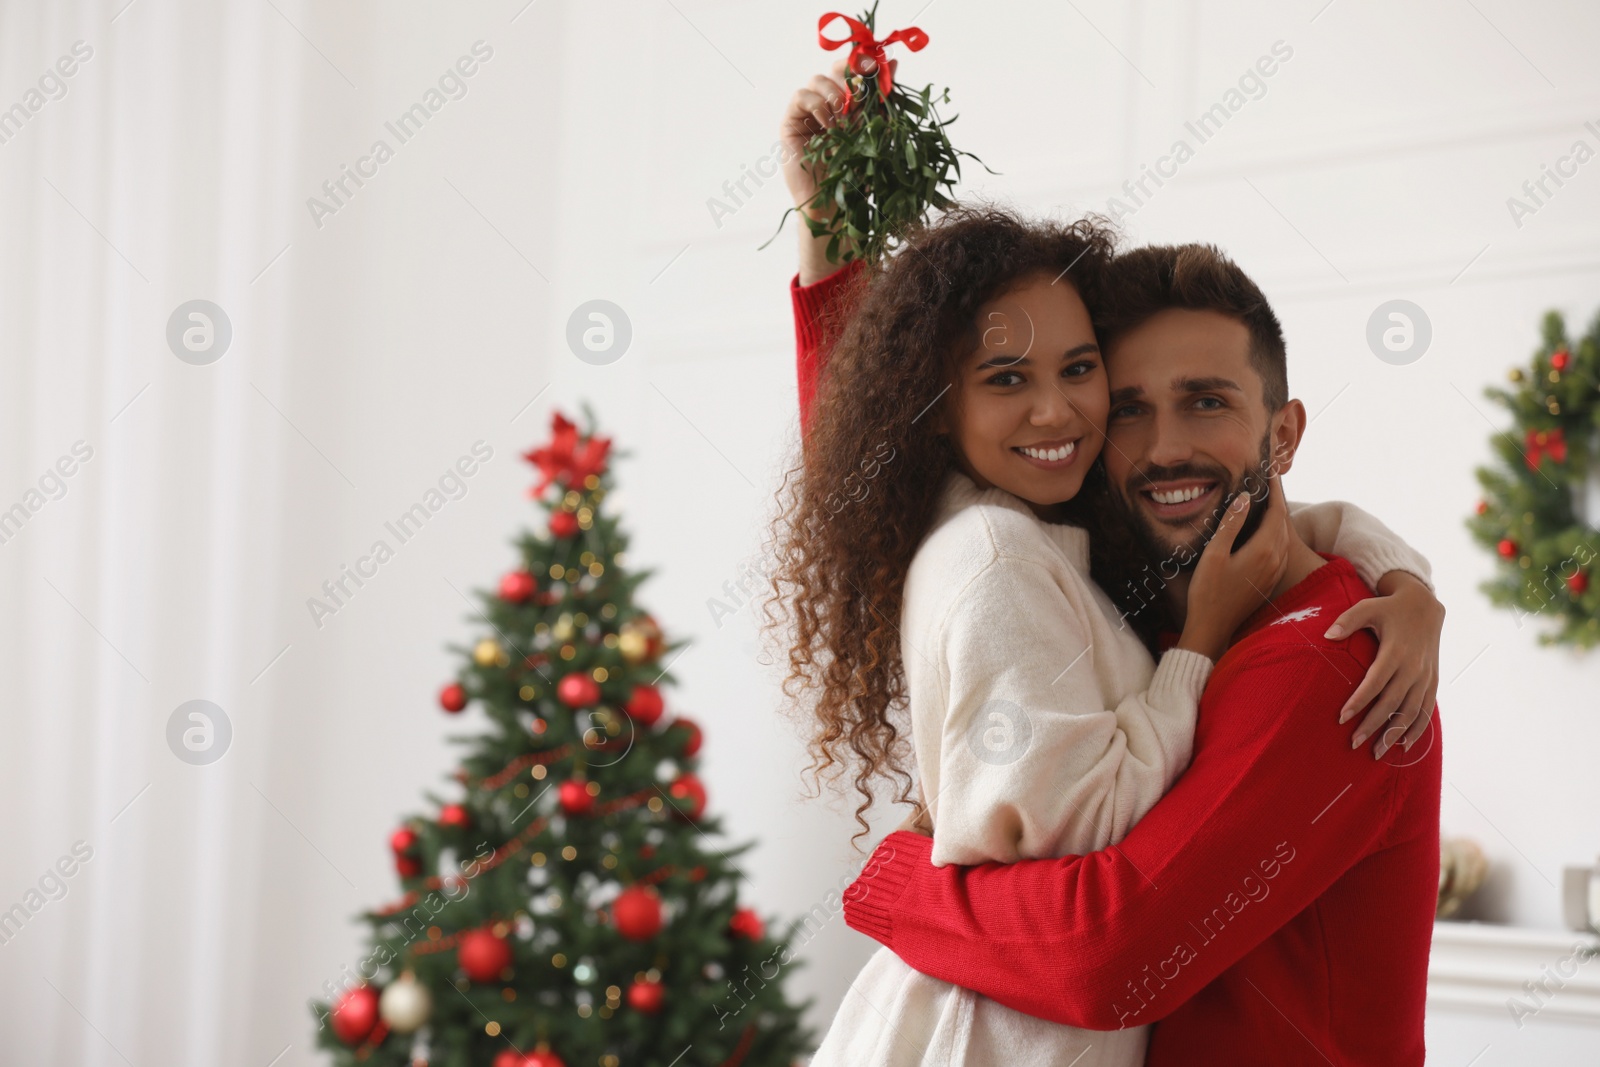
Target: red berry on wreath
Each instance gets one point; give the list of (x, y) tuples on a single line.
[(578, 690), (355, 1014), (692, 729), (1508, 549), (1579, 583), (575, 797), (454, 815), (637, 911), (482, 955), (747, 924), (517, 586), (647, 997), (645, 705), (453, 697), (407, 866), (1483, 507), (563, 525), (403, 839), (688, 796), (1561, 359)]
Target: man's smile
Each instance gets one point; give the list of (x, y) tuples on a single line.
[(1181, 500)]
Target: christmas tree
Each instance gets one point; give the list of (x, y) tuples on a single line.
[(567, 904)]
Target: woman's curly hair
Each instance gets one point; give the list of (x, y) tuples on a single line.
[(855, 508)]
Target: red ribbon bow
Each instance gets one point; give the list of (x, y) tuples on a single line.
[(1541, 443), (865, 46)]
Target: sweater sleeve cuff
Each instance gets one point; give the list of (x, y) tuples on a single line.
[(871, 900), (1179, 679), (814, 303), (1378, 560)]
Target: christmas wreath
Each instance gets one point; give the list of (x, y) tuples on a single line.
[(1542, 495)]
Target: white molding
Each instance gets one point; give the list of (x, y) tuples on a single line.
[(1480, 968)]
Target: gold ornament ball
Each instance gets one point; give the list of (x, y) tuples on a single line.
[(406, 1004), (563, 630), (635, 647), (487, 653), (1516, 374), (639, 640)]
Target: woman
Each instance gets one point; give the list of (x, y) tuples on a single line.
[(919, 568)]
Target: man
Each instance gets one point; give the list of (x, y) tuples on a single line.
[(1276, 906)]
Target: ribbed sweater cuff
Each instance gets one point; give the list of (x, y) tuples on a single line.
[(871, 900), (1179, 679), (1379, 560), (812, 304)]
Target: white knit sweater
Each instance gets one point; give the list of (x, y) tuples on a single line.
[(1041, 728)]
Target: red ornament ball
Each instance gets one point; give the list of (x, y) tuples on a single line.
[(690, 727), (482, 955), (747, 924), (645, 705), (512, 1058), (637, 911), (1508, 549), (578, 690), (407, 866), (1483, 507), (454, 815), (575, 798), (563, 525), (355, 1015), (1561, 359), (517, 586), (1579, 583), (403, 839), (647, 997), (688, 796), (453, 697)]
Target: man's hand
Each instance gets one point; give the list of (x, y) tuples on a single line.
[(1403, 680)]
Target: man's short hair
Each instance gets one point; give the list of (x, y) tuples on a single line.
[(1145, 281)]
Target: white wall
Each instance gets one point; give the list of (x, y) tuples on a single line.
[(426, 313)]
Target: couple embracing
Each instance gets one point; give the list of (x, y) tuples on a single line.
[(1175, 765)]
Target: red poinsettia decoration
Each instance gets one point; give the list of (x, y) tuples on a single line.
[(567, 459)]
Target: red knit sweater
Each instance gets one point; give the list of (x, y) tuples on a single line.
[(819, 310), (1276, 907)]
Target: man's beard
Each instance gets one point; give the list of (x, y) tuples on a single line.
[(1185, 555)]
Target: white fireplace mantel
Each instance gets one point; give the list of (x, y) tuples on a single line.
[(1483, 968)]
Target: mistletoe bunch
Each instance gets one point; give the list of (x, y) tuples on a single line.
[(888, 161)]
